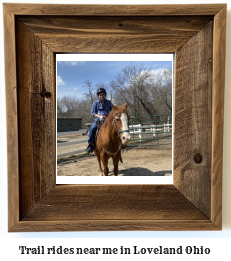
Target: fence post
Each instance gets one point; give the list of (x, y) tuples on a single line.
[(153, 128), (166, 127), (140, 132)]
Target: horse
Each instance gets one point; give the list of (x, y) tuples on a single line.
[(113, 134)]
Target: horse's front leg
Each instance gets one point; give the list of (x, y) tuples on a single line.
[(105, 162), (116, 165), (100, 168)]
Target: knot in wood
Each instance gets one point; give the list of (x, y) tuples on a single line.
[(45, 94), (198, 158)]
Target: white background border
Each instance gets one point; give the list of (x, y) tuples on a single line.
[(218, 241)]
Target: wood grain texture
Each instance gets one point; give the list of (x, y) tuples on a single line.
[(114, 225), (37, 128), (189, 204), (115, 10), (114, 34), (193, 126), (114, 202), (111, 207), (12, 121), (218, 114)]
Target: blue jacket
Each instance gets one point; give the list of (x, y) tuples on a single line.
[(97, 107)]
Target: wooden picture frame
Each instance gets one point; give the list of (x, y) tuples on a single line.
[(33, 34)]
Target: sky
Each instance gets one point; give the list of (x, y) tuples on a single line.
[(74, 70)]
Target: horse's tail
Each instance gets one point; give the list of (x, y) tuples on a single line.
[(121, 159)]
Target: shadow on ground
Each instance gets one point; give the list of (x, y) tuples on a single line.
[(143, 172)]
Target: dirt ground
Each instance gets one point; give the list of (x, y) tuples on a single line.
[(138, 161)]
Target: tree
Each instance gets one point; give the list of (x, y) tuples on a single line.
[(147, 93), (90, 94), (133, 84), (161, 91), (67, 106)]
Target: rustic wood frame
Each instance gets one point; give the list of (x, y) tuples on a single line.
[(33, 34)]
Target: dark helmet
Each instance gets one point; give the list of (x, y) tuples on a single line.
[(100, 90)]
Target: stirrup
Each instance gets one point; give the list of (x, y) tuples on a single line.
[(90, 147)]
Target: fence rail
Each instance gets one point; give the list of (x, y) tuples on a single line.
[(156, 129)]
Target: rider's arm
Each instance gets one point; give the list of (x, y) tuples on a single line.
[(98, 116), (94, 110)]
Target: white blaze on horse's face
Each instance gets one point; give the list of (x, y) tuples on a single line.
[(126, 137)]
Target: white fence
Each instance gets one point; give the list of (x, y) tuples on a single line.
[(156, 130)]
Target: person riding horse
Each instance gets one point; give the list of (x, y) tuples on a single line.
[(100, 109)]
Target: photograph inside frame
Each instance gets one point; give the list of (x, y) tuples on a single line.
[(114, 118)]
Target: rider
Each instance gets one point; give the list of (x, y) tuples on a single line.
[(100, 109)]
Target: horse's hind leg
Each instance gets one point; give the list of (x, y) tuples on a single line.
[(100, 168)]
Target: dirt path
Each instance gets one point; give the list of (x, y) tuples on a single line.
[(152, 161)]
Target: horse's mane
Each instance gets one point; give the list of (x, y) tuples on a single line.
[(108, 120)]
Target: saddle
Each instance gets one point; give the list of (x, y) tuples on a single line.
[(100, 123)]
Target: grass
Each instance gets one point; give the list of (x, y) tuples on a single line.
[(72, 157)]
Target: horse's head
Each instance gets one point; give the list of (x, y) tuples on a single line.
[(121, 122)]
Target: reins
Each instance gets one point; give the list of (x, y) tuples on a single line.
[(119, 131)]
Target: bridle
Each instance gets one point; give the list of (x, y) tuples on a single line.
[(119, 131)]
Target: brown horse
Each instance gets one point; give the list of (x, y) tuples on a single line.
[(113, 133)]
